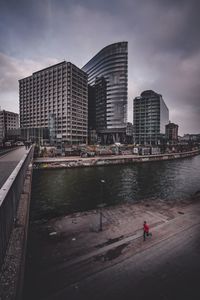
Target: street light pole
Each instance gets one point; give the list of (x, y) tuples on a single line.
[(100, 207), (100, 227)]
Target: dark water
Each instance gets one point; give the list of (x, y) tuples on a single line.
[(61, 191)]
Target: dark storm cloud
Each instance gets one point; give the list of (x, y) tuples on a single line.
[(163, 36), (173, 26), (20, 21)]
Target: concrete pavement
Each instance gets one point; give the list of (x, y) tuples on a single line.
[(166, 270), (90, 265), (8, 162)]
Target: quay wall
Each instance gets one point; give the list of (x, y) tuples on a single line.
[(78, 162)]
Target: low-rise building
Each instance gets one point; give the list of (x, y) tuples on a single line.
[(171, 132), (9, 121)]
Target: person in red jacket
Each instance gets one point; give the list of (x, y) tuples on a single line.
[(146, 230)]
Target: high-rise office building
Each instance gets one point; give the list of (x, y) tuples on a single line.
[(171, 131), (108, 74), (8, 121), (150, 117), (100, 101), (54, 104)]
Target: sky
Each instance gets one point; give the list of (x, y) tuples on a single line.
[(163, 46)]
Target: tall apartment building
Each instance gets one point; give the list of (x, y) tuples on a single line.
[(171, 131), (54, 104), (8, 121), (108, 74), (150, 117)]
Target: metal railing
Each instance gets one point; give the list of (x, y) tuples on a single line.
[(9, 199)]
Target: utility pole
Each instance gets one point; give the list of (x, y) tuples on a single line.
[(100, 206)]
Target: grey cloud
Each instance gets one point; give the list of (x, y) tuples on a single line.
[(11, 71), (163, 36)]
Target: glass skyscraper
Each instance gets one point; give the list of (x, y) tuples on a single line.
[(108, 73)]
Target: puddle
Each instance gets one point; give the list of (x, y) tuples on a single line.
[(112, 253), (110, 241)]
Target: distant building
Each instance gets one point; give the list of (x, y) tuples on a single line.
[(14, 134), (190, 138), (8, 121), (150, 115), (171, 131), (54, 105), (129, 133), (108, 74)]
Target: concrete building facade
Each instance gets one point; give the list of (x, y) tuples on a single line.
[(54, 104), (8, 121), (150, 115), (171, 131), (108, 74)]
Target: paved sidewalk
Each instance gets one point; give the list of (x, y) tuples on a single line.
[(8, 162), (71, 250)]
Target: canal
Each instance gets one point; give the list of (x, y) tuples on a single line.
[(58, 192)]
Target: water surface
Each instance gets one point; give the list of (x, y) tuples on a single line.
[(62, 191)]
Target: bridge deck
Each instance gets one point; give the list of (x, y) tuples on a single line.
[(8, 163)]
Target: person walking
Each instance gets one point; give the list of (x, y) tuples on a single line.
[(146, 230)]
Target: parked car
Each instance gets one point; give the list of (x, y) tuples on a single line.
[(19, 143)]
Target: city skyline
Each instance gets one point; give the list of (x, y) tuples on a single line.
[(164, 47)]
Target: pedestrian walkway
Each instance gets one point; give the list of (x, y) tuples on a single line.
[(8, 162), (70, 251)]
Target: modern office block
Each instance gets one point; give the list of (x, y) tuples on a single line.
[(8, 121), (108, 74), (150, 117), (100, 101), (54, 104)]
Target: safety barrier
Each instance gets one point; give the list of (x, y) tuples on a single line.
[(9, 199)]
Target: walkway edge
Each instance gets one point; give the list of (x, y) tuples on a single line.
[(12, 271)]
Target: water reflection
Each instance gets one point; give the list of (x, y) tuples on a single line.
[(57, 192)]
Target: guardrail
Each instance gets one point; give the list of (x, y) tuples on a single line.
[(9, 199)]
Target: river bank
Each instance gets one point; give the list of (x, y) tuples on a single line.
[(63, 251), (79, 162)]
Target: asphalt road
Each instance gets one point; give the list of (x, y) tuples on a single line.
[(168, 270), (8, 162)]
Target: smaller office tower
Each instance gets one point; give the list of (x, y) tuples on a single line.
[(171, 131), (150, 117), (8, 121), (54, 105)]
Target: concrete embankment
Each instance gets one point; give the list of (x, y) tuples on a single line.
[(77, 162)]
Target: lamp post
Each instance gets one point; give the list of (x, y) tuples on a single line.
[(100, 206)]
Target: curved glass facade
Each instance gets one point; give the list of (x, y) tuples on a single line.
[(111, 63)]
